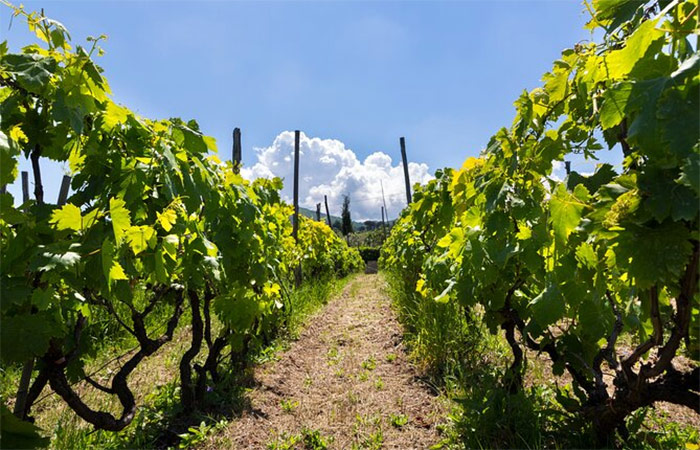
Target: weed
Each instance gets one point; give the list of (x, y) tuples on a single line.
[(379, 383), (369, 363), (313, 440), (398, 420), (289, 405)]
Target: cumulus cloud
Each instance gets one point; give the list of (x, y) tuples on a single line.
[(327, 167)]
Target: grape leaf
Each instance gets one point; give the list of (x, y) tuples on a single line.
[(67, 218), (139, 237), (121, 220), (566, 210), (27, 334)]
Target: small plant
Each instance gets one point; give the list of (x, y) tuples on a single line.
[(313, 440), (398, 420), (379, 383), (284, 442), (333, 356), (363, 376), (391, 357), (369, 363), (199, 434), (375, 440), (289, 405)]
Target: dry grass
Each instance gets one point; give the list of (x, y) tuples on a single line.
[(347, 377)]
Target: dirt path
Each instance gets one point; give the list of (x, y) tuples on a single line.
[(345, 382)]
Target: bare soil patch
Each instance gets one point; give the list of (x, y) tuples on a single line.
[(346, 379)]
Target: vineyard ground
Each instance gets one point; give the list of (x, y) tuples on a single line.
[(345, 383)]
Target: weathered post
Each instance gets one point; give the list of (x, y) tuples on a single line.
[(295, 224), (383, 223), (405, 170), (25, 186), (318, 212), (328, 215), (63, 193), (237, 153), (567, 166)]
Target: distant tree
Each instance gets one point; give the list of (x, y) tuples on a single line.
[(371, 224), (346, 226)]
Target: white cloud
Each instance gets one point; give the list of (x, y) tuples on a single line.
[(327, 167)]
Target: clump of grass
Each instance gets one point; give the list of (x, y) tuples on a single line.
[(398, 420), (288, 405), (369, 363)]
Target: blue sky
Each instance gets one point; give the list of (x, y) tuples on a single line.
[(443, 74)]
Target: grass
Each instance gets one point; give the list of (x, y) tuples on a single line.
[(309, 438), (159, 421), (466, 362)]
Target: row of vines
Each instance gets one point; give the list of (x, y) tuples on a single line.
[(157, 225), (573, 268)]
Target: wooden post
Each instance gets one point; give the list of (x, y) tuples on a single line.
[(405, 170), (36, 168), (318, 212), (25, 186), (295, 228), (237, 153), (63, 193), (567, 165), (383, 223), (328, 215)]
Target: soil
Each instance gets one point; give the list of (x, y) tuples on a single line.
[(346, 380)]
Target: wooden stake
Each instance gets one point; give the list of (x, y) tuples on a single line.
[(318, 212), (567, 165), (237, 153), (383, 223), (328, 215), (402, 141), (36, 168), (295, 229), (63, 193), (25, 186)]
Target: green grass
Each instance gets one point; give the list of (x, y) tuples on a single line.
[(466, 362), (159, 421)]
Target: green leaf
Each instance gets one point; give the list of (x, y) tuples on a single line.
[(621, 62), (604, 174), (121, 220), (55, 258), (161, 270), (116, 272), (30, 70), (690, 173), (654, 255), (586, 256), (67, 218), (139, 237), (167, 219), (18, 433), (614, 106), (170, 245), (114, 115), (566, 211), (237, 311), (27, 336), (41, 298), (665, 197), (9, 151), (548, 307)]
